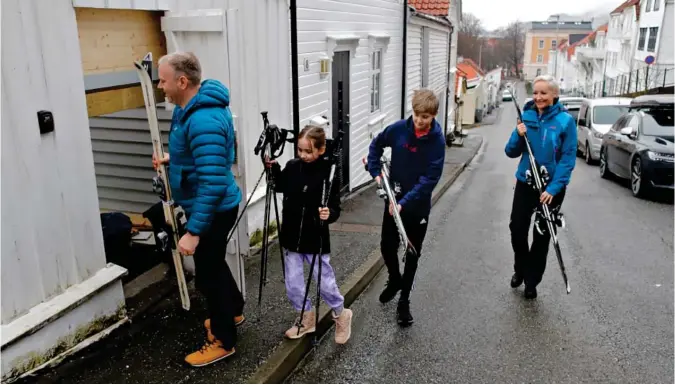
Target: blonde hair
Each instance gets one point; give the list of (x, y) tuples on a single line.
[(550, 80), (425, 101), (315, 134), (186, 64)]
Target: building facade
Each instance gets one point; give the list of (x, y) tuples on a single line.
[(544, 36)]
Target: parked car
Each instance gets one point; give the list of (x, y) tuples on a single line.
[(572, 104), (639, 146), (506, 95), (596, 117)]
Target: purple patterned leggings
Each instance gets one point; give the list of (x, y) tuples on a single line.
[(296, 282)]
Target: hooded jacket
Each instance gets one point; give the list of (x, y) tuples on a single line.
[(303, 186), (416, 163), (201, 150), (553, 138)]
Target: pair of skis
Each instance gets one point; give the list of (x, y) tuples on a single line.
[(553, 220), (386, 192), (173, 215)]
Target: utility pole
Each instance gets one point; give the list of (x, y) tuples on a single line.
[(557, 41)]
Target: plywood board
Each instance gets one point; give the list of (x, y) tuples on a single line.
[(111, 39), (106, 102)]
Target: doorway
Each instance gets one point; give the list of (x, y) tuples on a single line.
[(340, 107)]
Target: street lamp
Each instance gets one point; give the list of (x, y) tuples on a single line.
[(557, 29)]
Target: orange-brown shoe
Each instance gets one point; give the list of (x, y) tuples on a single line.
[(209, 353)]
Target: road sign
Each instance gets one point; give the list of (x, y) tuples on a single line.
[(649, 59)]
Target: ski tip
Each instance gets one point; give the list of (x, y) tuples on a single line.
[(569, 290)]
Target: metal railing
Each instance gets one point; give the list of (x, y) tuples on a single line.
[(635, 82)]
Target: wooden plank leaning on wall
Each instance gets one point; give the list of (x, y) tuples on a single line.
[(110, 40)]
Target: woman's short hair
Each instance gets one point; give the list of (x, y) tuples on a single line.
[(550, 80)]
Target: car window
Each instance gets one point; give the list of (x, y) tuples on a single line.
[(657, 121), (608, 114), (574, 111), (633, 122), (582, 112), (619, 123)]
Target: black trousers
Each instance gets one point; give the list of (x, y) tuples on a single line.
[(215, 281), (529, 262), (416, 229)]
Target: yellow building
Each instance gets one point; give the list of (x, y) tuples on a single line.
[(544, 36)]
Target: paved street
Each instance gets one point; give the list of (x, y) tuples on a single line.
[(470, 326)]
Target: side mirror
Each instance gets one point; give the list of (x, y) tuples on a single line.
[(628, 131)]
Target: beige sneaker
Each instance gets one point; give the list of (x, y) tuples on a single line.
[(343, 326), (308, 326)]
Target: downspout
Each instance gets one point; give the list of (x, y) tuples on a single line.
[(447, 86), (404, 70), (294, 75)]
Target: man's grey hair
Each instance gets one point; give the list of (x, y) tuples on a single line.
[(186, 64), (550, 80)]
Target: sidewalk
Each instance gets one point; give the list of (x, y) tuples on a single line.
[(152, 348)]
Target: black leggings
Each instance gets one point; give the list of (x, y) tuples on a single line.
[(215, 281), (529, 262)]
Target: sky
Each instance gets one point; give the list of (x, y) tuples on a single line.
[(499, 13)]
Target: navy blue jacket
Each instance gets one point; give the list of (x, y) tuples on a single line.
[(553, 137), (416, 163), (201, 150)]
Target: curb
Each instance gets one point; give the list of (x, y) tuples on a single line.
[(290, 353)]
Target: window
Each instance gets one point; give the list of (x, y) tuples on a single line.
[(651, 44), (541, 44), (657, 5), (540, 58), (641, 39), (554, 44), (608, 114), (657, 122), (375, 80), (538, 70), (619, 124), (648, 6)]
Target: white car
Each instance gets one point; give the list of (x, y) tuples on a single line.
[(506, 95), (596, 117)]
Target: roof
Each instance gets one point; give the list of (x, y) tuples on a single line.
[(468, 71), (431, 7), (611, 101), (474, 66), (590, 36), (625, 5), (564, 25), (653, 101)]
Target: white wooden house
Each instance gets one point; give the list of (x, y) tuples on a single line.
[(429, 51)]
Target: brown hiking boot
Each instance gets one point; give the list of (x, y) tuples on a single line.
[(308, 326), (238, 320), (209, 353), (343, 326)]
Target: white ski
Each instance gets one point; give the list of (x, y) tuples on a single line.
[(172, 214)]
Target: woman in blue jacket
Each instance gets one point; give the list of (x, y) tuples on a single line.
[(553, 137)]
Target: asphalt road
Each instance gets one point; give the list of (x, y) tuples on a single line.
[(470, 327)]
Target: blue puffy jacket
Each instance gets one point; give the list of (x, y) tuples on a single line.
[(553, 137), (416, 163), (201, 150)]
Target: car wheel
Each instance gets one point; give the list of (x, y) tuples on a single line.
[(638, 184), (604, 166), (589, 160)]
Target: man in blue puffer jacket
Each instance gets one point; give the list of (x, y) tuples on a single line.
[(201, 154), (553, 136)]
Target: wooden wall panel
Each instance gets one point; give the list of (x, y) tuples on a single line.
[(111, 39)]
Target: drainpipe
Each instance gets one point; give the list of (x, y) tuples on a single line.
[(294, 75), (404, 74), (447, 87)]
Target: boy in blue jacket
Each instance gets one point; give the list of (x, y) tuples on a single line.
[(552, 133), (417, 158), (201, 153)]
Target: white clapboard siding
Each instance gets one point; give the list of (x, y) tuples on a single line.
[(320, 19), (52, 235), (414, 63)]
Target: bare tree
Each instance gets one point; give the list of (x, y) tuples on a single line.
[(514, 45), (469, 38)]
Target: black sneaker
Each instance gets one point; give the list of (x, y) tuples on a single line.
[(403, 313), (516, 280), (390, 291), (530, 292)]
